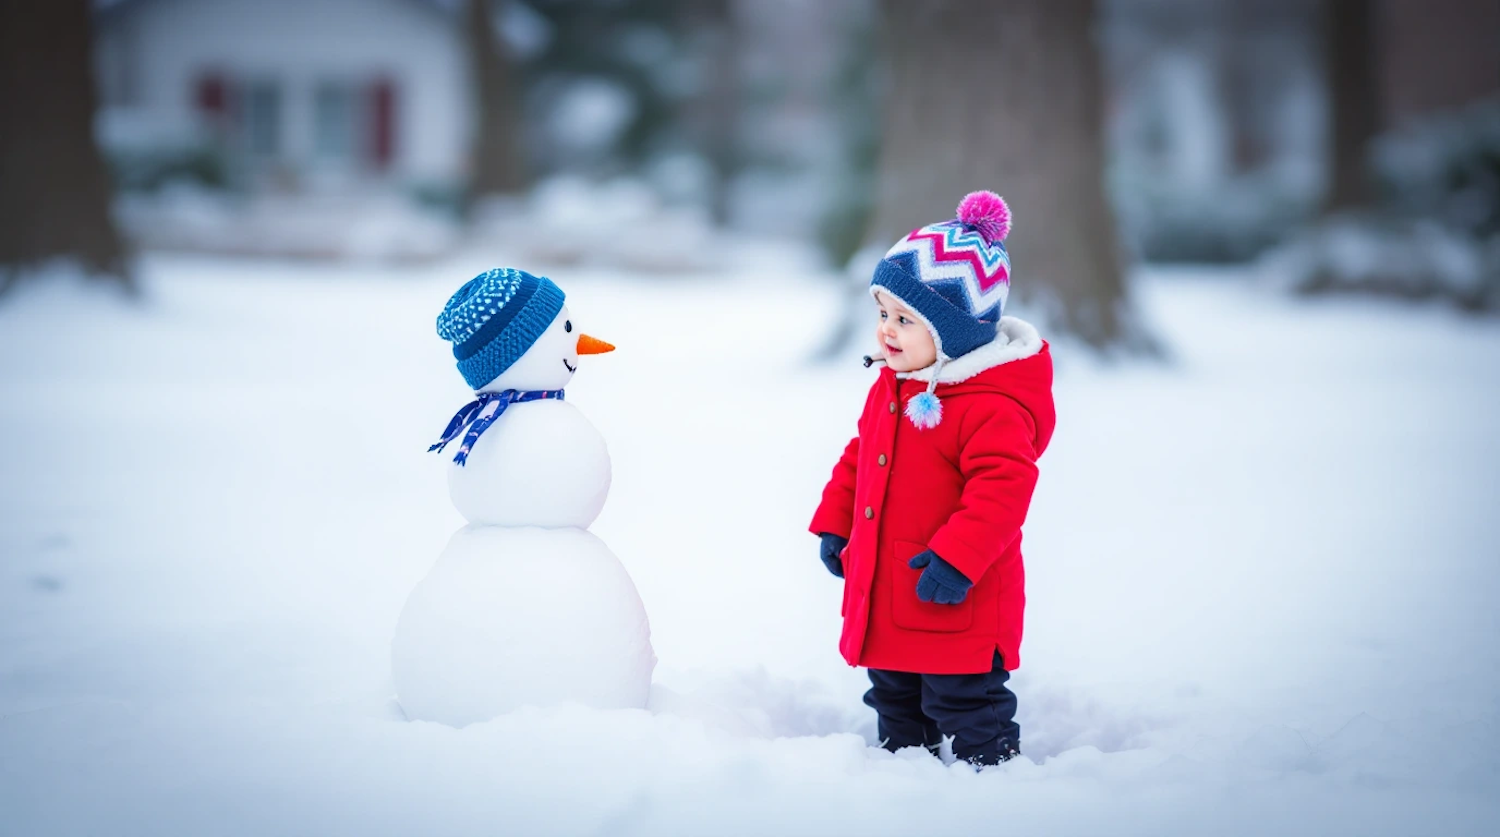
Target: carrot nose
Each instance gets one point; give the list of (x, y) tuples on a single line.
[(592, 345)]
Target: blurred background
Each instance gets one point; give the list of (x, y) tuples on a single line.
[(1262, 236), (1352, 144)]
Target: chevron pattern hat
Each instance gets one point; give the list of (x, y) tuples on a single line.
[(954, 273), (956, 276)]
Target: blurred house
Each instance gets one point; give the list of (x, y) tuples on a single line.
[(1220, 110), (1217, 122), (287, 95)]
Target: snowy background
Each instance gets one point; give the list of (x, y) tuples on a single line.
[(1263, 557), (1261, 575)]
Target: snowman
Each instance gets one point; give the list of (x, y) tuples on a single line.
[(524, 606)]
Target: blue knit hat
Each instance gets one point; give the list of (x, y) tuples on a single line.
[(955, 274), (494, 318)]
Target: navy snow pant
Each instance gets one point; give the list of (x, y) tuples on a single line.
[(915, 710)]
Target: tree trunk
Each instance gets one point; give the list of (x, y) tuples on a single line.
[(55, 198), (498, 162), (1349, 62), (719, 110), (1007, 97)]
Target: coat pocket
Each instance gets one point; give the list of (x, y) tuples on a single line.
[(913, 614)]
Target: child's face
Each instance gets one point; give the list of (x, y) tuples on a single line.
[(905, 342)]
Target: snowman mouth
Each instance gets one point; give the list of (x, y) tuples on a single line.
[(571, 367)]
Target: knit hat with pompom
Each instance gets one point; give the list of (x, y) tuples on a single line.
[(956, 276)]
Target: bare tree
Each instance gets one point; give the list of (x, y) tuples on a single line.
[(1349, 55), (1008, 97), (498, 160), (55, 197)]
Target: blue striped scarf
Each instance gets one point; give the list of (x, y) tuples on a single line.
[(479, 414)]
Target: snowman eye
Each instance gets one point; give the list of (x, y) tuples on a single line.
[(568, 325)]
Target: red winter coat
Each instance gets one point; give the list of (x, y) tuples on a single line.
[(960, 489)]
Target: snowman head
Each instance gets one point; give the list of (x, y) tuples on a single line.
[(551, 360), (510, 330)]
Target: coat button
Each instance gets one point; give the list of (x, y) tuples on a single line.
[(881, 460), (893, 406), (869, 513)]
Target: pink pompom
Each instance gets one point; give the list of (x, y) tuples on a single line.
[(986, 214)]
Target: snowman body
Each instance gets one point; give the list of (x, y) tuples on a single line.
[(525, 607), (540, 464)]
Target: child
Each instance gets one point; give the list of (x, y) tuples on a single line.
[(922, 517)]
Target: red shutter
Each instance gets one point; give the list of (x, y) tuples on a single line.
[(213, 98), (382, 123), (212, 95)]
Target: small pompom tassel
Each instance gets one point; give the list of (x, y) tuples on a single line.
[(925, 410)]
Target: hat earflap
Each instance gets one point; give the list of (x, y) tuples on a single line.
[(925, 409)]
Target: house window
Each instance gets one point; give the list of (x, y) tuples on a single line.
[(355, 122), (337, 121), (263, 118)]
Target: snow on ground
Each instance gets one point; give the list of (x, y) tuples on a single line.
[(1261, 576)]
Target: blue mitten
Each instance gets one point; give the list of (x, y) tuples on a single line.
[(940, 582), (833, 547)]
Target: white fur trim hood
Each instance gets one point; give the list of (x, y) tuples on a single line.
[(1015, 339)]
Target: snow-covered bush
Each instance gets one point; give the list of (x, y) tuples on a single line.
[(1447, 168), (1391, 256), (144, 156), (1233, 222), (1435, 232)]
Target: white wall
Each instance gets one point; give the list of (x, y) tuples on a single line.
[(164, 45)]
